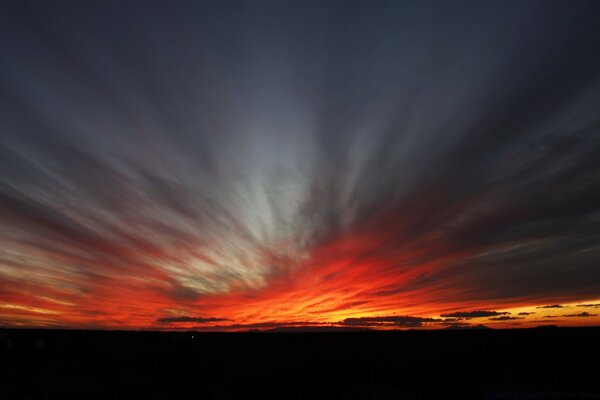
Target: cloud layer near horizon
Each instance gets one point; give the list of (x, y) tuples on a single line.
[(306, 162)]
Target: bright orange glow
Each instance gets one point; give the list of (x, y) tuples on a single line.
[(344, 279)]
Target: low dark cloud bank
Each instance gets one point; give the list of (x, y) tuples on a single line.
[(504, 318), (582, 314), (466, 326), (391, 321), (474, 314)]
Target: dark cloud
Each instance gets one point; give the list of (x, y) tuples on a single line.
[(474, 314), (582, 314), (466, 326), (312, 328), (275, 326), (589, 305), (552, 306), (503, 318), (526, 313), (393, 321)]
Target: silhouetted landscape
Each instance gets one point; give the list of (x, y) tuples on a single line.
[(475, 363)]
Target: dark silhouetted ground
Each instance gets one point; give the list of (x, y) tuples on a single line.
[(542, 363)]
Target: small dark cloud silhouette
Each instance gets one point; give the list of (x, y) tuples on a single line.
[(396, 321), (551, 306), (474, 314), (589, 305), (526, 313), (503, 318), (583, 314), (466, 326), (198, 320)]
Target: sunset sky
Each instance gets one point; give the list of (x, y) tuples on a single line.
[(261, 165)]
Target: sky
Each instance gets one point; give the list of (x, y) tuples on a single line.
[(329, 164)]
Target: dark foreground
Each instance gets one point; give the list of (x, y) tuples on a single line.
[(550, 363)]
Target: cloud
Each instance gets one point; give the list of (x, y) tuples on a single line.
[(582, 314), (589, 305), (526, 313), (503, 318), (390, 321), (466, 326), (200, 320), (551, 306), (474, 314)]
